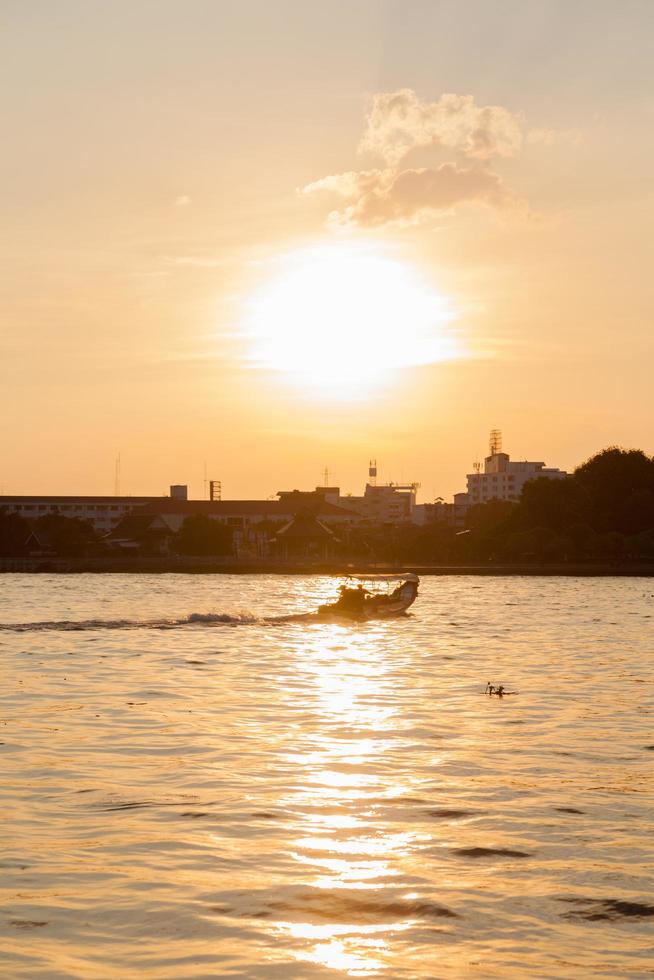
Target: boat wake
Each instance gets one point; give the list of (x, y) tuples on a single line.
[(194, 620), (80, 626)]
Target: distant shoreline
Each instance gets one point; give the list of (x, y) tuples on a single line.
[(209, 566)]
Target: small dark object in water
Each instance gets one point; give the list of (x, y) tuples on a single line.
[(498, 691)]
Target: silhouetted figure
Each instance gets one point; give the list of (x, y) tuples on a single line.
[(352, 599), (499, 691)]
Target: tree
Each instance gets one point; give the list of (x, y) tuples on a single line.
[(556, 504), (637, 512), (492, 516), (199, 535), (644, 543), (67, 536), (540, 543), (618, 484), (14, 531)]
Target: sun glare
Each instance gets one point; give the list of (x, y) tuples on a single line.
[(340, 319)]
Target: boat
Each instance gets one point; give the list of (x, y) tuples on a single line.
[(371, 597)]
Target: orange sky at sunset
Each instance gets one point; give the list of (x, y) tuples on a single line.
[(280, 236)]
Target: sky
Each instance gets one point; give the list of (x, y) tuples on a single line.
[(258, 239)]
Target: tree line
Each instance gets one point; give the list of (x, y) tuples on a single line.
[(71, 537)]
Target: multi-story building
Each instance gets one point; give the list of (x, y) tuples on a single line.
[(502, 478)]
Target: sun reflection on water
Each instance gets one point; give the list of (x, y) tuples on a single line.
[(359, 962), (341, 778)]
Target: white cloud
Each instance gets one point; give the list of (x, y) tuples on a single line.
[(378, 197), (471, 135), (398, 122)]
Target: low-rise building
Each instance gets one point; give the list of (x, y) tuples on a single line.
[(305, 537), (453, 515), (387, 503), (253, 522), (243, 513), (104, 513)]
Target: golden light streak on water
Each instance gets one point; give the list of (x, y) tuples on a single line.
[(349, 680)]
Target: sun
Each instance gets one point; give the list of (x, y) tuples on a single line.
[(340, 319)]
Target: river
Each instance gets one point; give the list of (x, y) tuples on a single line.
[(194, 789)]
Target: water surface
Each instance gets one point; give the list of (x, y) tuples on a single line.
[(192, 789)]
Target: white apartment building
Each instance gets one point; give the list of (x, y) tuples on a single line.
[(502, 478)]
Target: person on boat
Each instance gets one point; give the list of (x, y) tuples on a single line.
[(352, 600)]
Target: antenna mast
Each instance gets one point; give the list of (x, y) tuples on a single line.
[(495, 442)]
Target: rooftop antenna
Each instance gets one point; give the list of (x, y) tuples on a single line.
[(495, 442), (372, 472), (325, 476), (117, 477), (205, 482)]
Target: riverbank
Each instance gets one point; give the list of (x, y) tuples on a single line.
[(231, 566)]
